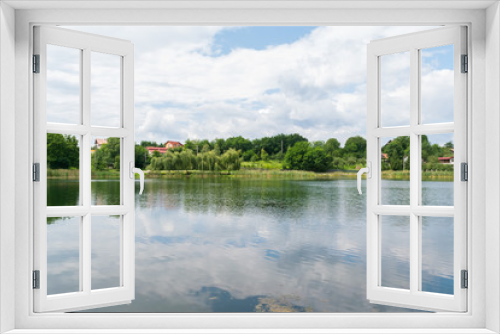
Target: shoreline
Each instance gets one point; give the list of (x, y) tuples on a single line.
[(73, 174)]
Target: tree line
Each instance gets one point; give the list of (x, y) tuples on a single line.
[(293, 151)]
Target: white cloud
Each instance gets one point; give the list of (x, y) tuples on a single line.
[(315, 86)]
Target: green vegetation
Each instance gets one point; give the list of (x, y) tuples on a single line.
[(275, 154), (62, 151)]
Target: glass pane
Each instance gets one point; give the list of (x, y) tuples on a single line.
[(105, 89), (63, 170), (395, 251), (437, 254), (437, 84), (395, 89), (63, 255), (105, 171), (437, 169), (106, 257), (395, 174), (63, 85)]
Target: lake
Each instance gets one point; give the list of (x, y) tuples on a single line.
[(250, 245)]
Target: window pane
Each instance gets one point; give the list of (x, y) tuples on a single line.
[(63, 255), (395, 251), (437, 84), (105, 171), (395, 174), (437, 169), (395, 89), (105, 89), (437, 254), (63, 85), (106, 231), (63, 170)]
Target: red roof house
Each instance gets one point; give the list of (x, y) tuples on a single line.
[(172, 144), (446, 160), (168, 145)]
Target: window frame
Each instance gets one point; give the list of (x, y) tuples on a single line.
[(86, 44), (414, 44), (476, 317)]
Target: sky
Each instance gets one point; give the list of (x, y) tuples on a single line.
[(212, 82)]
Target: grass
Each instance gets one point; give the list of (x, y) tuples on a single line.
[(271, 165), (75, 174), (248, 172)]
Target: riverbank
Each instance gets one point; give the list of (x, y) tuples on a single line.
[(253, 173)]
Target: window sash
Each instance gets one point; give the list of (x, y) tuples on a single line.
[(86, 297), (414, 298)]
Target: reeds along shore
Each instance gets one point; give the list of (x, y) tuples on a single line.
[(74, 174)]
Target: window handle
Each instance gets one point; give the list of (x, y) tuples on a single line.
[(368, 171), (134, 171)]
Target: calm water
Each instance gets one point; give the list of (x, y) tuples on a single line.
[(236, 245)]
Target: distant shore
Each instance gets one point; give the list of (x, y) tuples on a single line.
[(253, 173)]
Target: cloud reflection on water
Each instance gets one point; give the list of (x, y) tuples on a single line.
[(213, 245)]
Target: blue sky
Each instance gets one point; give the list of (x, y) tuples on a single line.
[(216, 82), (257, 38)]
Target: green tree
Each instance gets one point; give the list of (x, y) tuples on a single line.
[(356, 147), (230, 160), (62, 151), (332, 147), (217, 149), (398, 151), (315, 160), (141, 157), (206, 148), (294, 157), (263, 155), (249, 155)]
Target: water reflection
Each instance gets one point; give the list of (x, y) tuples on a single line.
[(236, 245)]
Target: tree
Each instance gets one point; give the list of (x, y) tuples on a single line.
[(351, 161), (332, 147), (315, 160), (397, 149), (249, 155), (217, 149), (141, 157), (230, 160), (62, 151), (294, 157), (145, 143), (318, 143), (263, 155), (356, 147), (337, 163)]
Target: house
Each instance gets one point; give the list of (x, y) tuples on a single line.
[(168, 145), (99, 142), (446, 160), (151, 149), (172, 144), (384, 157)]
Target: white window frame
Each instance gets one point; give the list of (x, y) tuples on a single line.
[(85, 297), (483, 314), (376, 210)]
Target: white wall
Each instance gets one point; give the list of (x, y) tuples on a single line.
[(7, 185), (492, 165)]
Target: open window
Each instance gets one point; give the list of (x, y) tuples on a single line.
[(408, 112), (78, 78)]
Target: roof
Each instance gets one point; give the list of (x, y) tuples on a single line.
[(100, 141), (159, 149), (173, 142), (445, 158)]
